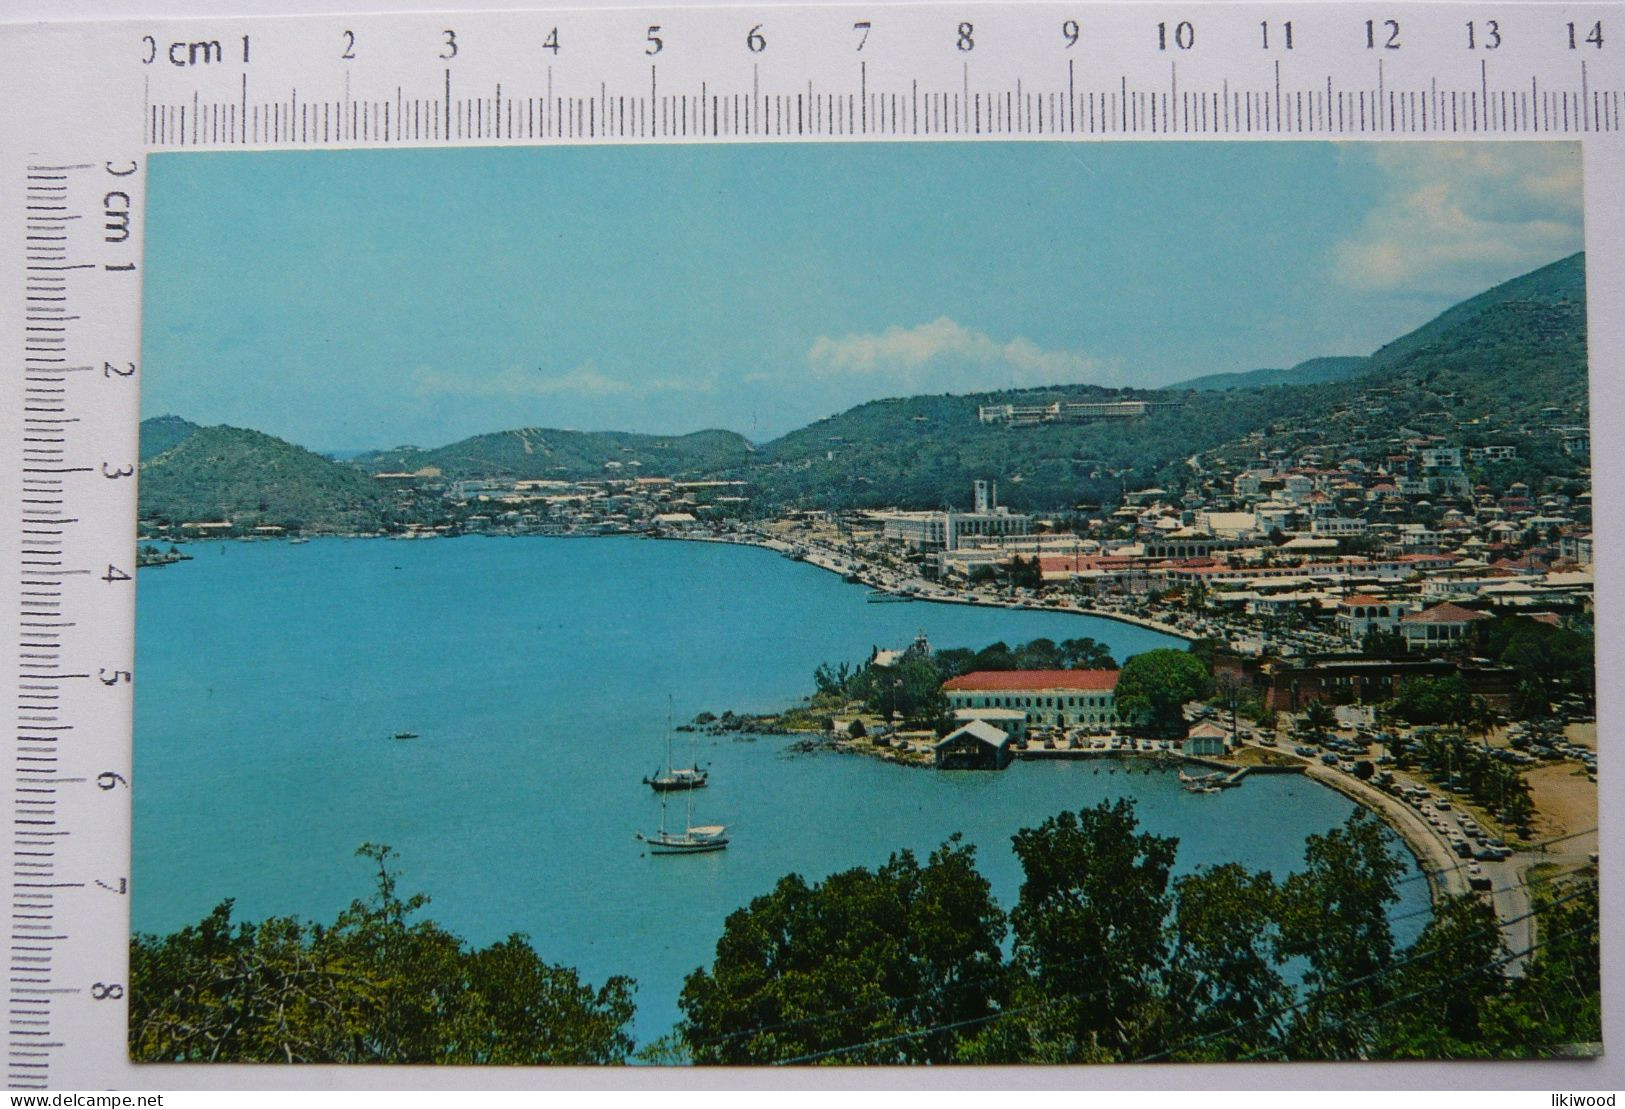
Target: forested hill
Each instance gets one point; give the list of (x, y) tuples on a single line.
[(1507, 365), (534, 452), (1493, 362), (1313, 372), (249, 478), (924, 452)]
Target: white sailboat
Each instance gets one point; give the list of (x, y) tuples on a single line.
[(694, 838)]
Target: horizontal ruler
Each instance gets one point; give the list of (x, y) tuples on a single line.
[(938, 71)]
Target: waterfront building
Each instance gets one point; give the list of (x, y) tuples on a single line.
[(1204, 740), (977, 745), (944, 530), (1063, 698), (1010, 721)]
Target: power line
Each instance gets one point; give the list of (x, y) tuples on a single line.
[(1003, 971), (1297, 1006), (1344, 1022)]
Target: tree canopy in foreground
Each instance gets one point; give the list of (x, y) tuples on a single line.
[(373, 987)]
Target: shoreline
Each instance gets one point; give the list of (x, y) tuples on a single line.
[(1442, 869), (824, 562)]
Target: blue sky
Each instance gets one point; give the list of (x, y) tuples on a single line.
[(356, 299)]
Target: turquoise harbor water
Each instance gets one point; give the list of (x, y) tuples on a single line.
[(536, 673)]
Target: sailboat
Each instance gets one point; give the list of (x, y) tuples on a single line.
[(676, 777), (694, 839)]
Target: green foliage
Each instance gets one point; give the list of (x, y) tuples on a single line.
[(538, 452), (1112, 962), (1433, 701), (862, 956), (1089, 926), (1320, 718), (1226, 987), (1442, 1007), (159, 433), (1558, 1001), (1334, 915), (250, 478), (373, 987), (1552, 661), (1154, 685), (911, 690), (1313, 372)]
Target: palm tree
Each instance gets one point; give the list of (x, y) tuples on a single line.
[(1320, 718)]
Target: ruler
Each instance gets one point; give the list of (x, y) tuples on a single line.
[(102, 96)]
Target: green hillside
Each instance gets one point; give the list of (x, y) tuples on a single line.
[(533, 452), (1561, 283), (1493, 362), (251, 478), (160, 433), (1506, 366), (924, 452), (1313, 372)]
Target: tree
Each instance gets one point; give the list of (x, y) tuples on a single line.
[(1086, 653), (1088, 928), (1378, 641), (1320, 718), (374, 987), (1227, 987), (1444, 1009), (1558, 1001), (862, 956), (909, 692), (1433, 701), (1153, 687), (1334, 915)]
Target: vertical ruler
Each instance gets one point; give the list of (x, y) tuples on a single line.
[(74, 581)]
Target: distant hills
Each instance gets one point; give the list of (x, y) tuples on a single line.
[(191, 473), (1487, 369), (1498, 358), (1315, 371), (535, 452), (1562, 282)]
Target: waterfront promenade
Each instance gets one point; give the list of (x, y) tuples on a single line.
[(835, 562)]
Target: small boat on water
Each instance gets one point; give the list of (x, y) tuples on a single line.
[(886, 597), (405, 735), (692, 840), (677, 777)]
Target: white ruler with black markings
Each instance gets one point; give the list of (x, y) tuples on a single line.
[(101, 96)]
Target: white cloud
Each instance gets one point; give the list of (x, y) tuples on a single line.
[(585, 380), (944, 356), (1458, 218)]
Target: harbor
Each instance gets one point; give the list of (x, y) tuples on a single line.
[(528, 762)]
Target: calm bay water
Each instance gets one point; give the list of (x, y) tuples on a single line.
[(536, 673)]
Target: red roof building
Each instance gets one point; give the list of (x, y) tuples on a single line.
[(1441, 625), (1064, 698)]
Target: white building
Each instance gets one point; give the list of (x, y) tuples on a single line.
[(944, 530), (1068, 698)]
